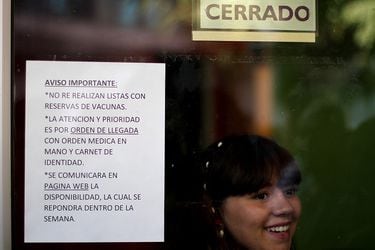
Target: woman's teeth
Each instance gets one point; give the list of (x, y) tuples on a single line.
[(278, 229)]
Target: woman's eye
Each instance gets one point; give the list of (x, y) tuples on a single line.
[(260, 196), (292, 191)]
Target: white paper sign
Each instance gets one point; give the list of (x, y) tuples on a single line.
[(283, 15), (94, 152), (254, 20)]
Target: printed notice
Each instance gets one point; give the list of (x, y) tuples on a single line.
[(94, 152), (254, 20)]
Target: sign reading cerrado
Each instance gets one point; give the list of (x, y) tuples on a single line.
[(255, 20)]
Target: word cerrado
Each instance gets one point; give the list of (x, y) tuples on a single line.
[(256, 12)]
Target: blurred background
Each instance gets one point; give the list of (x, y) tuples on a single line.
[(317, 100)]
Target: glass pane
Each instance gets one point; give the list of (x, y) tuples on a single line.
[(315, 99)]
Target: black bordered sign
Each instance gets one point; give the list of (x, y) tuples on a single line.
[(254, 20)]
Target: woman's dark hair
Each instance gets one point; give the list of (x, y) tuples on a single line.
[(239, 165)]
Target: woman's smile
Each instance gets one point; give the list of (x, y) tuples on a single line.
[(281, 232)]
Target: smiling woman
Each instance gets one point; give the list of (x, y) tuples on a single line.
[(250, 186)]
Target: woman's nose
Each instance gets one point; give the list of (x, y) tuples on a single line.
[(281, 205)]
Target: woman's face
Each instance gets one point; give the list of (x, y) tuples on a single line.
[(263, 220)]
